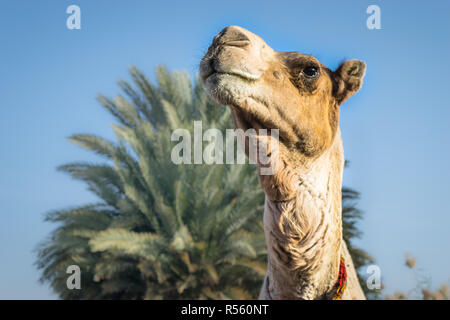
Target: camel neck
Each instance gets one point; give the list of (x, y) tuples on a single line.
[(304, 234)]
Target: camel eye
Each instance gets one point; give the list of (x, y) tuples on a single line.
[(310, 72)]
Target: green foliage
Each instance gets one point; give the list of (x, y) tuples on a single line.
[(160, 230)]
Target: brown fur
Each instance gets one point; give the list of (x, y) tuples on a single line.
[(266, 89)]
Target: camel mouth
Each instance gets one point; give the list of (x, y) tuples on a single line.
[(228, 85), (216, 68), (235, 73), (218, 63), (236, 90)]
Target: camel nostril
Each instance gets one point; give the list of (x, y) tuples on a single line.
[(233, 36), (237, 43)]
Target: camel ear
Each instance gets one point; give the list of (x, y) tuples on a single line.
[(348, 79)]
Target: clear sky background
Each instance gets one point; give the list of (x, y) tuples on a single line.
[(395, 130)]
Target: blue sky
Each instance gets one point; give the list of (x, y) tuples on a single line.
[(396, 129)]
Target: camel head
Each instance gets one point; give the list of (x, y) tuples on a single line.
[(289, 91)]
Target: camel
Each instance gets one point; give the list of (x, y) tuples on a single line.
[(296, 94)]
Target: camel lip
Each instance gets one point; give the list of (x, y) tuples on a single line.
[(213, 67), (240, 75), (232, 73)]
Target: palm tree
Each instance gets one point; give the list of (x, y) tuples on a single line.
[(160, 230)]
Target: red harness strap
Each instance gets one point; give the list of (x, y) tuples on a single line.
[(342, 281)]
